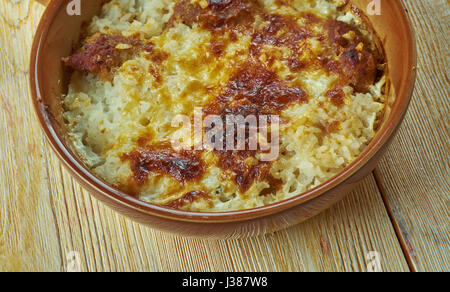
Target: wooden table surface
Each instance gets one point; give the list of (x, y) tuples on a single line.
[(400, 211)]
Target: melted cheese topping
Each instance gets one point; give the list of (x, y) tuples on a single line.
[(313, 63)]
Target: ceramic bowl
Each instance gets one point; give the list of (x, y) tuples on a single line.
[(54, 39)]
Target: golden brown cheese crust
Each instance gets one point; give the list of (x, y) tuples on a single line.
[(102, 53), (188, 199), (183, 165), (357, 65), (254, 88)]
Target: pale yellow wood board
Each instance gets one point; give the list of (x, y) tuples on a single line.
[(414, 175), (45, 214), (27, 227)]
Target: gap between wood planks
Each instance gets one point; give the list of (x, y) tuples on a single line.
[(52, 204), (398, 232)]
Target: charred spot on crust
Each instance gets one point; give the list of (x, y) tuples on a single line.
[(262, 88), (217, 47), (185, 12), (228, 14), (188, 199), (336, 31), (330, 65), (219, 14), (360, 68), (336, 96), (295, 64), (311, 18), (274, 185), (183, 166), (157, 56), (101, 53), (281, 31), (245, 174), (329, 127), (358, 60)]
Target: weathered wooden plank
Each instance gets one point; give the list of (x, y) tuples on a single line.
[(414, 176)]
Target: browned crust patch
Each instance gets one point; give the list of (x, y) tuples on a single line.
[(101, 53), (189, 198), (183, 166)]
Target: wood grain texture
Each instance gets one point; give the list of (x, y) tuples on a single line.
[(45, 214), (28, 235), (414, 175)]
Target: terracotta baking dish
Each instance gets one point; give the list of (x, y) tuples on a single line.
[(54, 39)]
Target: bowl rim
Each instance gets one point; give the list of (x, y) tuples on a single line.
[(145, 208)]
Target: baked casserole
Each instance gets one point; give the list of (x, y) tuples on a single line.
[(315, 64)]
